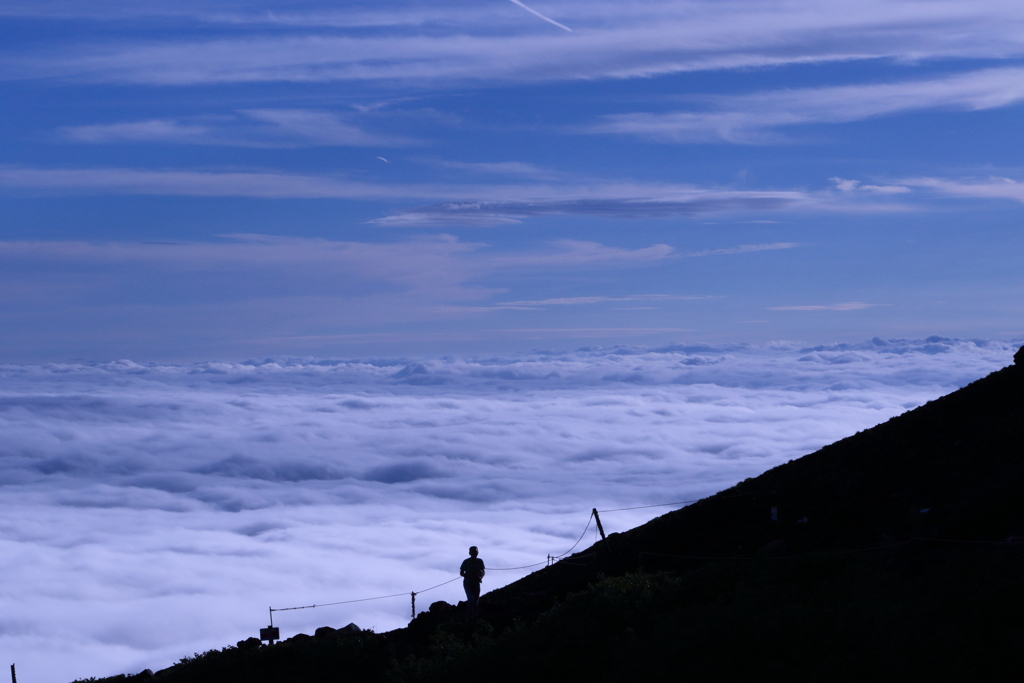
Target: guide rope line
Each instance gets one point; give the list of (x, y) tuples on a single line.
[(682, 557), (347, 602), (342, 602), (589, 520), (689, 502), (439, 585), (494, 569), (656, 505), (509, 569), (400, 595)]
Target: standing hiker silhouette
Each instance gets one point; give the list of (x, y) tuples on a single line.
[(472, 573)]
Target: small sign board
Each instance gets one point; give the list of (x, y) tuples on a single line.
[(270, 633)]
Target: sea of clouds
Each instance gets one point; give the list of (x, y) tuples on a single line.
[(152, 510)]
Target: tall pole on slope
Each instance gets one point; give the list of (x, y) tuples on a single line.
[(600, 528), (14, 675)]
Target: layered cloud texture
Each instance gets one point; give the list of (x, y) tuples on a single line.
[(463, 41), (155, 510)]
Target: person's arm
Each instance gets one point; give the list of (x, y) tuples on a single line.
[(462, 570)]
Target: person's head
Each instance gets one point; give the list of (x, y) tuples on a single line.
[(473, 551)]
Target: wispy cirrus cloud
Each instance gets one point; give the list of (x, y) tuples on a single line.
[(250, 290), (993, 187), (459, 42), (322, 128), (744, 249), (757, 118), (154, 130), (499, 204), (581, 253), (255, 13), (500, 168), (198, 183), (249, 128), (990, 188), (546, 334), (846, 185), (428, 261), (848, 306), (681, 202), (587, 300)]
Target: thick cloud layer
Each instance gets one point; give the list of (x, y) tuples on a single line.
[(157, 510)]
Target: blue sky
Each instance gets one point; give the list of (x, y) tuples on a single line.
[(185, 181)]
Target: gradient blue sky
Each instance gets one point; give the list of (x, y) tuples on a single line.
[(185, 181)]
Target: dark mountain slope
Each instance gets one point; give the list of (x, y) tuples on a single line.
[(890, 558), (960, 457)]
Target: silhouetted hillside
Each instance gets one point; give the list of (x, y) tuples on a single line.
[(898, 551)]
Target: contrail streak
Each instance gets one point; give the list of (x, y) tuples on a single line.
[(535, 12)]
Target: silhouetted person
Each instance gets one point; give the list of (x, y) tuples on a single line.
[(472, 573)]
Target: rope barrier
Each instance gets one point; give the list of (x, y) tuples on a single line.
[(589, 519), (348, 602), (439, 585), (330, 604), (658, 505), (573, 563), (551, 559), (493, 569), (414, 593), (509, 569), (558, 558), (689, 502)]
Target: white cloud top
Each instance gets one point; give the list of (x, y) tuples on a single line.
[(156, 510)]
